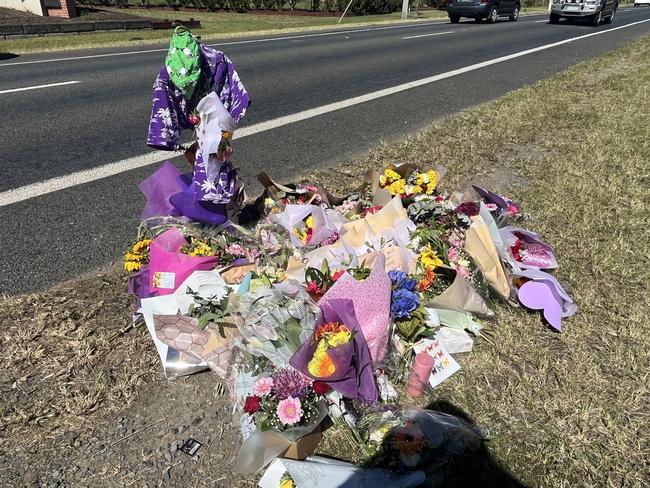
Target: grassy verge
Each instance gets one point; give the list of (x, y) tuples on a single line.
[(568, 410)]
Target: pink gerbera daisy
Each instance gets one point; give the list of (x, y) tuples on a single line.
[(289, 411), (263, 386)]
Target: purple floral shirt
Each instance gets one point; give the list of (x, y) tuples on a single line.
[(170, 111)]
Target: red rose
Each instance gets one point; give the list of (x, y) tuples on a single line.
[(320, 387), (252, 404)]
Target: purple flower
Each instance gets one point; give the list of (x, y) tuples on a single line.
[(403, 302), (290, 383), (401, 280), (468, 208)]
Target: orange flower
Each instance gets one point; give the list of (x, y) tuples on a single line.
[(409, 441), (427, 280)]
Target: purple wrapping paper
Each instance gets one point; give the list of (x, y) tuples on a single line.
[(354, 377), (157, 189), (168, 192), (138, 283)]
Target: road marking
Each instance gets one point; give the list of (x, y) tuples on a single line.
[(62, 182), (428, 35), (36, 87), (232, 43), (540, 21)]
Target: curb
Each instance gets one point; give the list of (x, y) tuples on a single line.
[(10, 30)]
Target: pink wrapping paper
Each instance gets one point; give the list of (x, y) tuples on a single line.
[(371, 301), (169, 268)]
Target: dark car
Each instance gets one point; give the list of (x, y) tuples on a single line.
[(490, 10)]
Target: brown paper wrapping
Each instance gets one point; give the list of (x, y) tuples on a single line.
[(305, 446), (460, 295), (480, 246)]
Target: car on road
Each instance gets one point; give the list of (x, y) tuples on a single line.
[(490, 10), (595, 11), (641, 2)]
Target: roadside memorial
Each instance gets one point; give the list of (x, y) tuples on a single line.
[(326, 310)]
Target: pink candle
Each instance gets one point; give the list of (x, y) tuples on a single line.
[(420, 372)]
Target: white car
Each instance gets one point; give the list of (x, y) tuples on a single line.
[(641, 2)]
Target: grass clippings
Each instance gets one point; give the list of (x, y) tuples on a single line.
[(566, 409)]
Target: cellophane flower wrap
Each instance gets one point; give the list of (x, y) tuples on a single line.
[(308, 225), (348, 367), (275, 324), (413, 439)]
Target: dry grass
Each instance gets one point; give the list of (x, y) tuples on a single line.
[(68, 354), (568, 410)]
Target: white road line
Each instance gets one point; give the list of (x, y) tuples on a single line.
[(428, 35), (36, 87), (232, 43), (62, 182), (539, 21)]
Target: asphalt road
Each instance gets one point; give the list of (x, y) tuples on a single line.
[(57, 131)]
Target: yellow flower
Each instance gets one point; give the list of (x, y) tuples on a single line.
[(391, 175), (200, 248), (429, 259), (321, 365), (141, 245), (138, 255), (397, 187), (226, 134), (339, 338), (287, 483), (310, 221), (433, 178)]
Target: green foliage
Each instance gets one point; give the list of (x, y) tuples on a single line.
[(372, 7), (237, 5), (212, 5), (207, 310), (341, 4)]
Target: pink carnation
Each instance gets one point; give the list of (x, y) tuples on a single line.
[(263, 386), (289, 411)]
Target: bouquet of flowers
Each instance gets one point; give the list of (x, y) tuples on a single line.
[(419, 439), (283, 400), (407, 181), (502, 208), (409, 314), (308, 225), (318, 281), (337, 353), (527, 249), (275, 324)]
